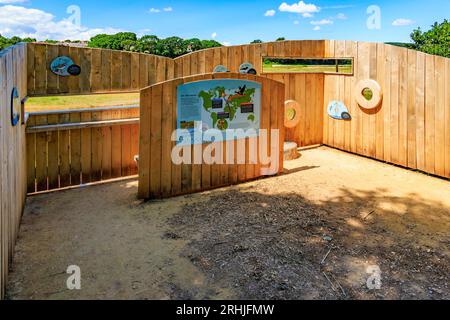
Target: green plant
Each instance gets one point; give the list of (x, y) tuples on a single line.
[(434, 41)]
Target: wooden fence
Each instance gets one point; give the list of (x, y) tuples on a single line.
[(102, 71), (160, 177), (12, 157), (411, 127), (307, 89), (71, 148)]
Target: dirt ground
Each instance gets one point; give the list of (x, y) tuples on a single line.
[(320, 231)]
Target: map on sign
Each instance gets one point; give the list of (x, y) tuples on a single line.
[(222, 105)]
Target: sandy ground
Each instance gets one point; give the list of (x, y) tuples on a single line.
[(313, 233)]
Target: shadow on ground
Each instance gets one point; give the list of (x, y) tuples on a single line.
[(311, 234)]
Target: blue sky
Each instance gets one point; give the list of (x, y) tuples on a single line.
[(229, 22)]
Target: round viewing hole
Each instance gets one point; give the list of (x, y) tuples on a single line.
[(367, 93), (290, 114)]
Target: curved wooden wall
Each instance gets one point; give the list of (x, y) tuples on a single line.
[(103, 71), (306, 89), (159, 177), (12, 156), (411, 127)]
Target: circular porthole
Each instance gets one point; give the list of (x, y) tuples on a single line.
[(15, 107), (292, 114), (368, 94)]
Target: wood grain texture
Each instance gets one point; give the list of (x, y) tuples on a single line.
[(14, 164), (410, 127), (159, 110), (82, 153)]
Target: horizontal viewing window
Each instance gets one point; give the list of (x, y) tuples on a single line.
[(293, 65), (57, 103)]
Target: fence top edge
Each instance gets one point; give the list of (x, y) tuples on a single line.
[(52, 112)]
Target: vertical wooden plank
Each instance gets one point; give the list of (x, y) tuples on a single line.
[(75, 150), (420, 110), (372, 115), (151, 64), (40, 62), (96, 148), (430, 106), (126, 150), (116, 147), (53, 154), (135, 75), (403, 108), (30, 68), (155, 163), (126, 71), (106, 133), (166, 143), (380, 114), (41, 156), (106, 70), (31, 158), (143, 71), (160, 69), (63, 82), (86, 70), (64, 152), (72, 81), (145, 143), (116, 70), (96, 70), (52, 78), (440, 117), (447, 118), (176, 169), (411, 109), (86, 149), (395, 89), (134, 148)]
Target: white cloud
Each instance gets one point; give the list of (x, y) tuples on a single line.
[(35, 23), (214, 35), (300, 7), (307, 15), (322, 22), (12, 1), (168, 9), (154, 10), (296, 22), (226, 43), (341, 16), (270, 13), (402, 22), (316, 28)]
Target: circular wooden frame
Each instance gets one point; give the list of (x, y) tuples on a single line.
[(376, 90), (291, 123)]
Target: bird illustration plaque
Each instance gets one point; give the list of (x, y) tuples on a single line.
[(247, 68), (65, 67), (220, 69), (337, 110)]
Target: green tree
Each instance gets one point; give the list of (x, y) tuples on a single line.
[(281, 39), (256, 41), (7, 42), (434, 41)]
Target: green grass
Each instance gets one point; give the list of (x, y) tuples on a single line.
[(274, 68), (81, 102)]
